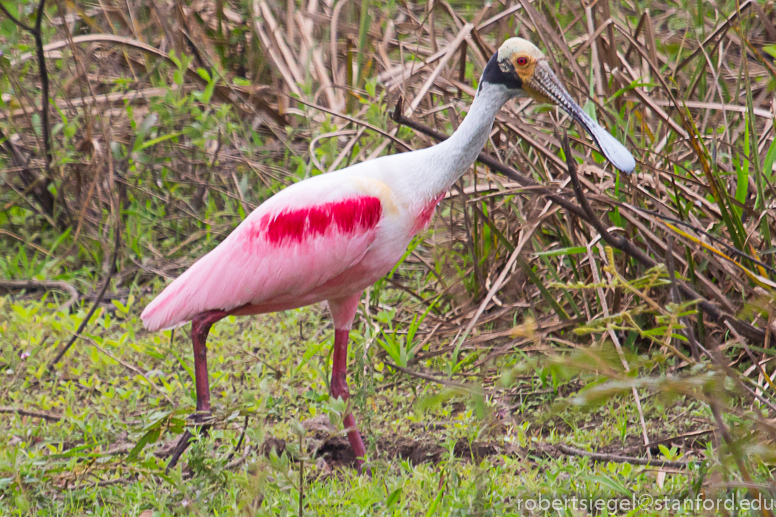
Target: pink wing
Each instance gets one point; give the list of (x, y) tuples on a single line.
[(296, 241)]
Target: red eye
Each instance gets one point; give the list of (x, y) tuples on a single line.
[(522, 61)]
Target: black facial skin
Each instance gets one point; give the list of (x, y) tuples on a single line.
[(493, 74)]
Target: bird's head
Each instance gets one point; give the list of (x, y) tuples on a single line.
[(521, 68)]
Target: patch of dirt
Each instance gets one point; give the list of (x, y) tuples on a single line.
[(476, 451), (336, 452), (278, 444), (416, 452)]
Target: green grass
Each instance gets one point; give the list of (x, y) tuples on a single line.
[(90, 462)]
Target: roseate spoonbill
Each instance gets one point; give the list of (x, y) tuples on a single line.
[(331, 236)]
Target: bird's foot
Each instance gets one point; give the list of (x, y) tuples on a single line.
[(201, 418), (364, 469), (204, 418), (354, 437)]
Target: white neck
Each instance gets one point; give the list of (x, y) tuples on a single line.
[(450, 159)]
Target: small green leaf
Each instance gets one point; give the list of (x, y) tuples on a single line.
[(203, 74), (770, 157), (573, 250), (150, 437), (392, 499), (432, 509), (610, 483), (160, 139)]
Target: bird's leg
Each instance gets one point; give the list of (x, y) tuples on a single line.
[(200, 327), (339, 388)]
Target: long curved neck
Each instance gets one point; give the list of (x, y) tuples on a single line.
[(453, 157)]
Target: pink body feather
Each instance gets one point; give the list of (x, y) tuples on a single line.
[(321, 239)]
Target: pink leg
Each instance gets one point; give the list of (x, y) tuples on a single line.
[(339, 388), (200, 327)]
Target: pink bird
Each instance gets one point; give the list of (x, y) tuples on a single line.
[(331, 236)]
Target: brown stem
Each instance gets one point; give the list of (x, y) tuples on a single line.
[(616, 458), (44, 81), (677, 298), (735, 450), (37, 33), (111, 272)]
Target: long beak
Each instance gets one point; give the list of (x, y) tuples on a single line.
[(548, 86)]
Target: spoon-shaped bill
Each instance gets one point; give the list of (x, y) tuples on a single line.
[(614, 151), (544, 82)]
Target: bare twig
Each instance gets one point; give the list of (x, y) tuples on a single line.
[(688, 332), (100, 294), (355, 121), (34, 414), (37, 34), (616, 458), (44, 284), (449, 51), (653, 443), (427, 377), (525, 236), (239, 441), (616, 341), (735, 449)]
